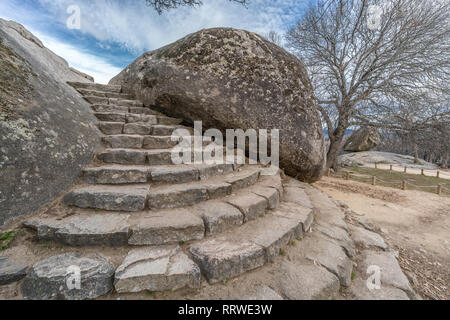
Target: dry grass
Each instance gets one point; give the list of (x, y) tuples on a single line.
[(393, 179)]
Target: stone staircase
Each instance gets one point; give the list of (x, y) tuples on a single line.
[(233, 218), (179, 224)]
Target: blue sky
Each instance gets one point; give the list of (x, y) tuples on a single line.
[(115, 32)]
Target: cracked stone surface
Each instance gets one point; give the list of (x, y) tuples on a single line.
[(84, 229), (156, 269), (367, 238), (391, 273), (11, 271), (49, 279), (307, 282), (360, 291), (330, 256)]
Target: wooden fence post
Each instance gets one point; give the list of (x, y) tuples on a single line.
[(406, 169), (403, 185), (374, 181), (439, 189), (329, 173), (438, 174), (391, 167), (423, 173), (347, 176)]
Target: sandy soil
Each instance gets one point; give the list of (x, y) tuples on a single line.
[(417, 224)]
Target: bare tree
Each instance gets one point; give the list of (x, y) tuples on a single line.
[(367, 58), (274, 37), (161, 5)]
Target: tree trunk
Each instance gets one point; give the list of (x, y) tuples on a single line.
[(335, 147), (416, 154), (444, 163)]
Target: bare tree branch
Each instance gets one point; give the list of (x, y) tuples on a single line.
[(376, 76), (163, 5)]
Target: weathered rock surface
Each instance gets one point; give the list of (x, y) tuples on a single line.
[(54, 278), (166, 226), (264, 293), (11, 271), (360, 291), (307, 282), (218, 216), (84, 229), (357, 159), (234, 79), (156, 269), (222, 259), (364, 139), (339, 235), (391, 273), (330, 256), (367, 238), (366, 223), (114, 198), (245, 248), (45, 126)]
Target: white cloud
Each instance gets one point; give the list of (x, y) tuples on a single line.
[(139, 27), (94, 66)]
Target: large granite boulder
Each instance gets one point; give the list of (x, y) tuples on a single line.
[(234, 79), (47, 131), (364, 139)]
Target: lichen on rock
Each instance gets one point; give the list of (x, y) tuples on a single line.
[(235, 79)]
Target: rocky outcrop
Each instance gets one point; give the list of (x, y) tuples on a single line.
[(234, 79), (358, 159), (365, 139), (47, 131)]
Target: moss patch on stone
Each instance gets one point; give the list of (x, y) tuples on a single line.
[(15, 88)]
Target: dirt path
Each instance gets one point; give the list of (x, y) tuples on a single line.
[(417, 224)]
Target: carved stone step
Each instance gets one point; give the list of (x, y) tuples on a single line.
[(116, 174), (138, 128), (125, 102), (47, 279), (139, 157), (123, 174), (245, 248), (96, 86), (111, 116), (167, 130), (176, 196), (251, 205), (107, 108), (114, 198), (218, 216), (123, 141), (113, 101), (84, 229), (164, 268), (148, 142), (110, 128), (104, 94), (141, 118), (124, 156), (165, 227), (144, 110), (102, 228)]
